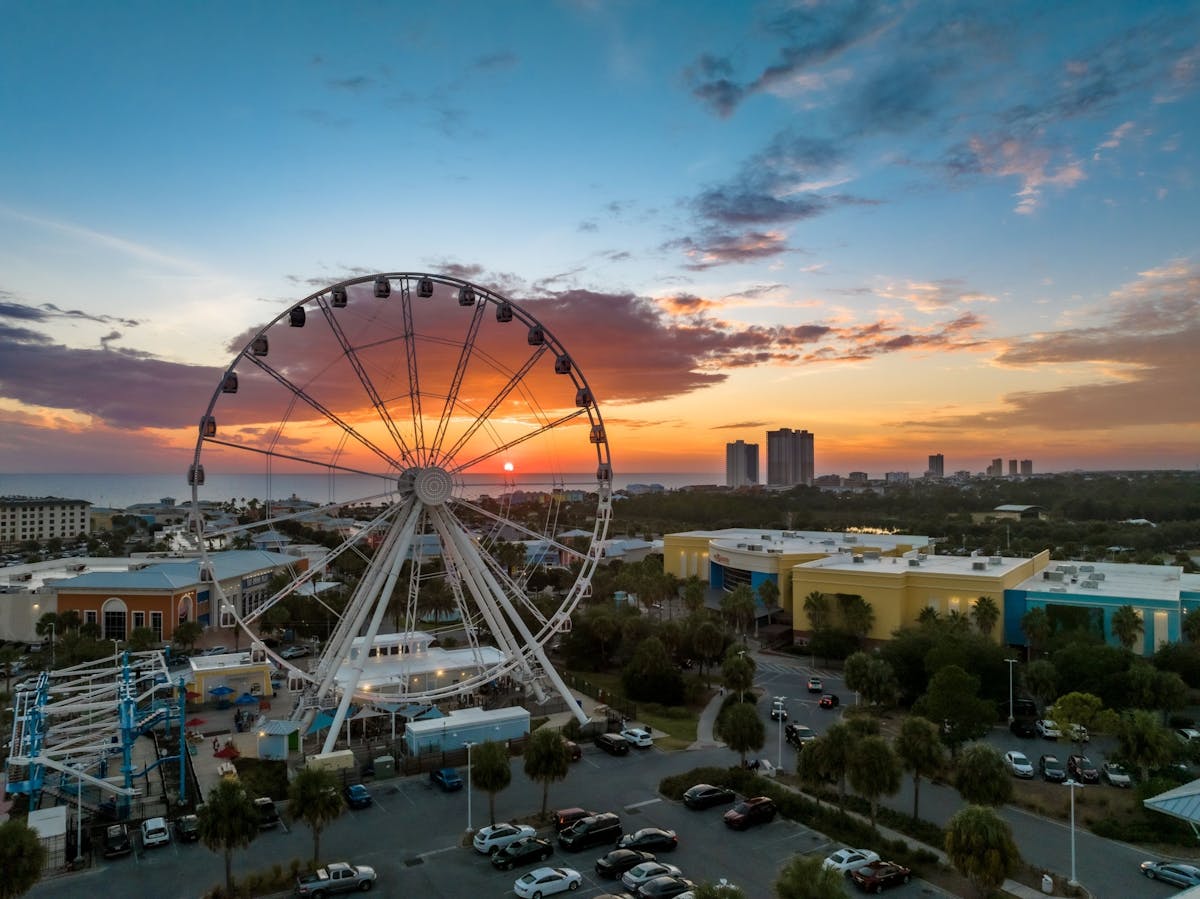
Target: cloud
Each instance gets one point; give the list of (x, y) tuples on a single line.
[(741, 426), (495, 62), (353, 83), (932, 296), (48, 311), (712, 247), (1003, 156)]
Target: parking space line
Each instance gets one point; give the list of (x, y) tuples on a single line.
[(646, 802)]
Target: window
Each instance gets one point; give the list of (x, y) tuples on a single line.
[(139, 619), (89, 616), (156, 623), (114, 624)]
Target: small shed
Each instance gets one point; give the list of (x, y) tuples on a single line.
[(473, 725), (50, 825), (277, 738)]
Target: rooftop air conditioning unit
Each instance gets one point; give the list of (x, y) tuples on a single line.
[(755, 547), (1090, 585), (849, 538), (978, 566), (1098, 576), (1056, 576), (1087, 568), (995, 560), (914, 563), (741, 546), (770, 550), (767, 537), (1058, 589), (857, 560), (922, 556)]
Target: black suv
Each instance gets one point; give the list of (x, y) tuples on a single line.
[(116, 841), (597, 830), (268, 815), (613, 744)]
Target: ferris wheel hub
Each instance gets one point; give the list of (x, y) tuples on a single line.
[(433, 485)]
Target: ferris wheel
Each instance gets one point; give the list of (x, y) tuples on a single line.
[(396, 416)]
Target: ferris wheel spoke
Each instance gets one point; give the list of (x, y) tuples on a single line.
[(516, 525), (468, 347), (367, 384), (499, 398), (276, 454), (414, 384), (273, 520), (315, 404), (505, 447)]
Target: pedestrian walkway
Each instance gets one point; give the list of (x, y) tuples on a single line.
[(705, 736)]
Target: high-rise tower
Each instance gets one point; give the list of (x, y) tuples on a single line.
[(790, 458), (741, 464)]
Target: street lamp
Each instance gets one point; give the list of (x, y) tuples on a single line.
[(779, 701), (52, 639), (1011, 662), (470, 827), (1072, 784)]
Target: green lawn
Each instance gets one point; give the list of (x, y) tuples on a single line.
[(680, 727)]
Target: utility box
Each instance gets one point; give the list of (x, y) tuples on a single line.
[(385, 766), (338, 760), (50, 825)]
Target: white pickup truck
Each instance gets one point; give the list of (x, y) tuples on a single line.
[(338, 877)]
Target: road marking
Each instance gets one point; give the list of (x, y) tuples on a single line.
[(630, 808)]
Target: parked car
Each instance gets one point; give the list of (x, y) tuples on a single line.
[(594, 830), (1187, 735), (1052, 769), (215, 651), (1180, 875), (547, 881), (446, 778), (798, 734), (667, 886), (613, 744), (779, 711), (639, 737), (1047, 729), (748, 812), (617, 862), (1080, 768), (496, 836), (1116, 775), (116, 841), (878, 876), (522, 852), (706, 796), (1018, 764), (336, 877), (815, 685), (294, 652), (357, 796), (565, 817), (829, 701), (574, 753), (651, 839), (846, 860), (155, 833), (639, 874), (187, 828), (268, 815), (1077, 733)]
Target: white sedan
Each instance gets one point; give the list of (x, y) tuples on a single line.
[(638, 737), (640, 873), (546, 881), (1018, 764), (846, 860), (497, 836), (1047, 729)]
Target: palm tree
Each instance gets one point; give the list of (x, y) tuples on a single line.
[(314, 799), (22, 857), (874, 771), (768, 594), (921, 752), (1035, 624), (546, 760), (69, 620), (737, 674), (806, 877), (228, 821), (1144, 743), (490, 772), (693, 594), (1041, 679), (742, 729), (857, 614), (982, 778), (707, 641), (816, 607), (928, 616), (985, 613), (738, 607), (838, 744), (1127, 626), (980, 845)]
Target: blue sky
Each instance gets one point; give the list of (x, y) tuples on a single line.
[(907, 227)]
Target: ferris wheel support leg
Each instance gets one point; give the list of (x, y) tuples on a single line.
[(399, 551), (468, 549)]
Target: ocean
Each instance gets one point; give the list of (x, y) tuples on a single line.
[(119, 491)]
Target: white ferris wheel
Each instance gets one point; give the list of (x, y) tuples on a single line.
[(420, 401)]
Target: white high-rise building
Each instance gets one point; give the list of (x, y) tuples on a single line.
[(741, 464), (789, 458)]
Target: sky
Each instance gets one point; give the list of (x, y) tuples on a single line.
[(907, 227)]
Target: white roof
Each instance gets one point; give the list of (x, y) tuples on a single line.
[(927, 564), (805, 541), (1160, 583), (469, 717)]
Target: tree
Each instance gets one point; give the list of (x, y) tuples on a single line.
[(1126, 626), (806, 877), (980, 845), (1191, 626), (981, 777), (69, 620), (738, 607), (1143, 743), (921, 752), (1041, 679), (1035, 625), (314, 799), (816, 607), (651, 675), (490, 771), (47, 627), (872, 677), (186, 634), (693, 594), (721, 890), (837, 745), (874, 771), (857, 614), (22, 857), (742, 729), (228, 821), (737, 674), (1085, 710), (952, 702), (985, 613), (142, 639), (768, 595), (546, 760), (708, 642)]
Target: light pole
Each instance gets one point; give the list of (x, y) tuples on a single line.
[(1072, 785), (1011, 662), (53, 635), (741, 693), (470, 826), (779, 701)]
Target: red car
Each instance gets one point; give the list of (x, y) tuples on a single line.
[(829, 701), (877, 876), (758, 810), (573, 750)]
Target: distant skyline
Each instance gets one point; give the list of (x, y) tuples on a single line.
[(909, 228)]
